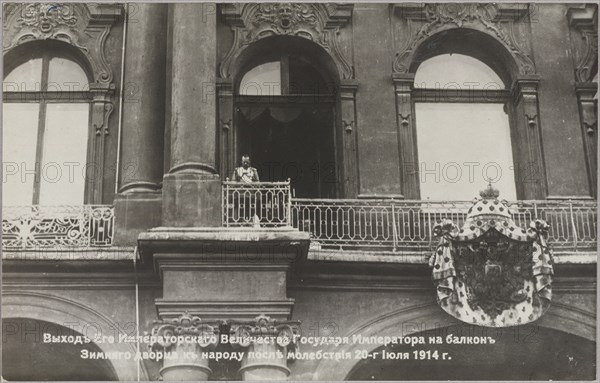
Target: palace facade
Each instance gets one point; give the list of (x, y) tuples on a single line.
[(369, 124)]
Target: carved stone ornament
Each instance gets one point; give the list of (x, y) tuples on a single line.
[(320, 23), (590, 129), (82, 26), (585, 40), (284, 333), (496, 20), (492, 272), (584, 70), (186, 327)]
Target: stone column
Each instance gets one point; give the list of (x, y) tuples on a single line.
[(144, 103), (182, 341), (407, 143), (191, 191), (265, 342), (137, 206)]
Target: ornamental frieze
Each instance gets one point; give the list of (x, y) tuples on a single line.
[(320, 23), (491, 272), (497, 20)]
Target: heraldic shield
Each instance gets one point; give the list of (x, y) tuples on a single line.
[(491, 272)]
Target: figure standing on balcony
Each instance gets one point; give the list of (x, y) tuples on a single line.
[(245, 173), (249, 201)]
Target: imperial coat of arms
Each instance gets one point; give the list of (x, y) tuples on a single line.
[(491, 272)]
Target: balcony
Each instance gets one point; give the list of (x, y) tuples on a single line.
[(399, 225), (57, 227), (381, 226), (388, 225)]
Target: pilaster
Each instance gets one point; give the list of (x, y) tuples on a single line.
[(349, 135), (530, 170), (407, 143)]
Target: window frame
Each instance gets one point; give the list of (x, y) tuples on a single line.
[(285, 79), (43, 97), (464, 96)]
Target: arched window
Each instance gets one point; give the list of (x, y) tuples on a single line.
[(287, 75), (46, 115), (264, 79), (285, 102), (463, 130)]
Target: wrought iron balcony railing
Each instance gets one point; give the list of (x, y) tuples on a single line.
[(58, 227), (342, 224), (259, 204), (400, 225), (390, 225)]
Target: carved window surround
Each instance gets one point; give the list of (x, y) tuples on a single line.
[(414, 24), (584, 41), (497, 20), (320, 23), (85, 28)]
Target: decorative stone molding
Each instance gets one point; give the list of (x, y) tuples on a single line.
[(404, 120), (350, 177), (180, 340), (530, 165), (226, 125), (101, 109), (268, 342), (591, 128), (82, 26), (531, 120), (588, 114), (320, 23), (496, 20), (348, 126), (407, 143), (284, 332), (584, 42), (184, 326), (585, 22)]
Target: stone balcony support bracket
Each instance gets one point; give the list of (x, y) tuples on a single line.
[(237, 277), (223, 273)]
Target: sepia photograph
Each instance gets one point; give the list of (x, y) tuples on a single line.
[(274, 191)]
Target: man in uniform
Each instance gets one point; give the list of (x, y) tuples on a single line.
[(245, 173), (250, 199)]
